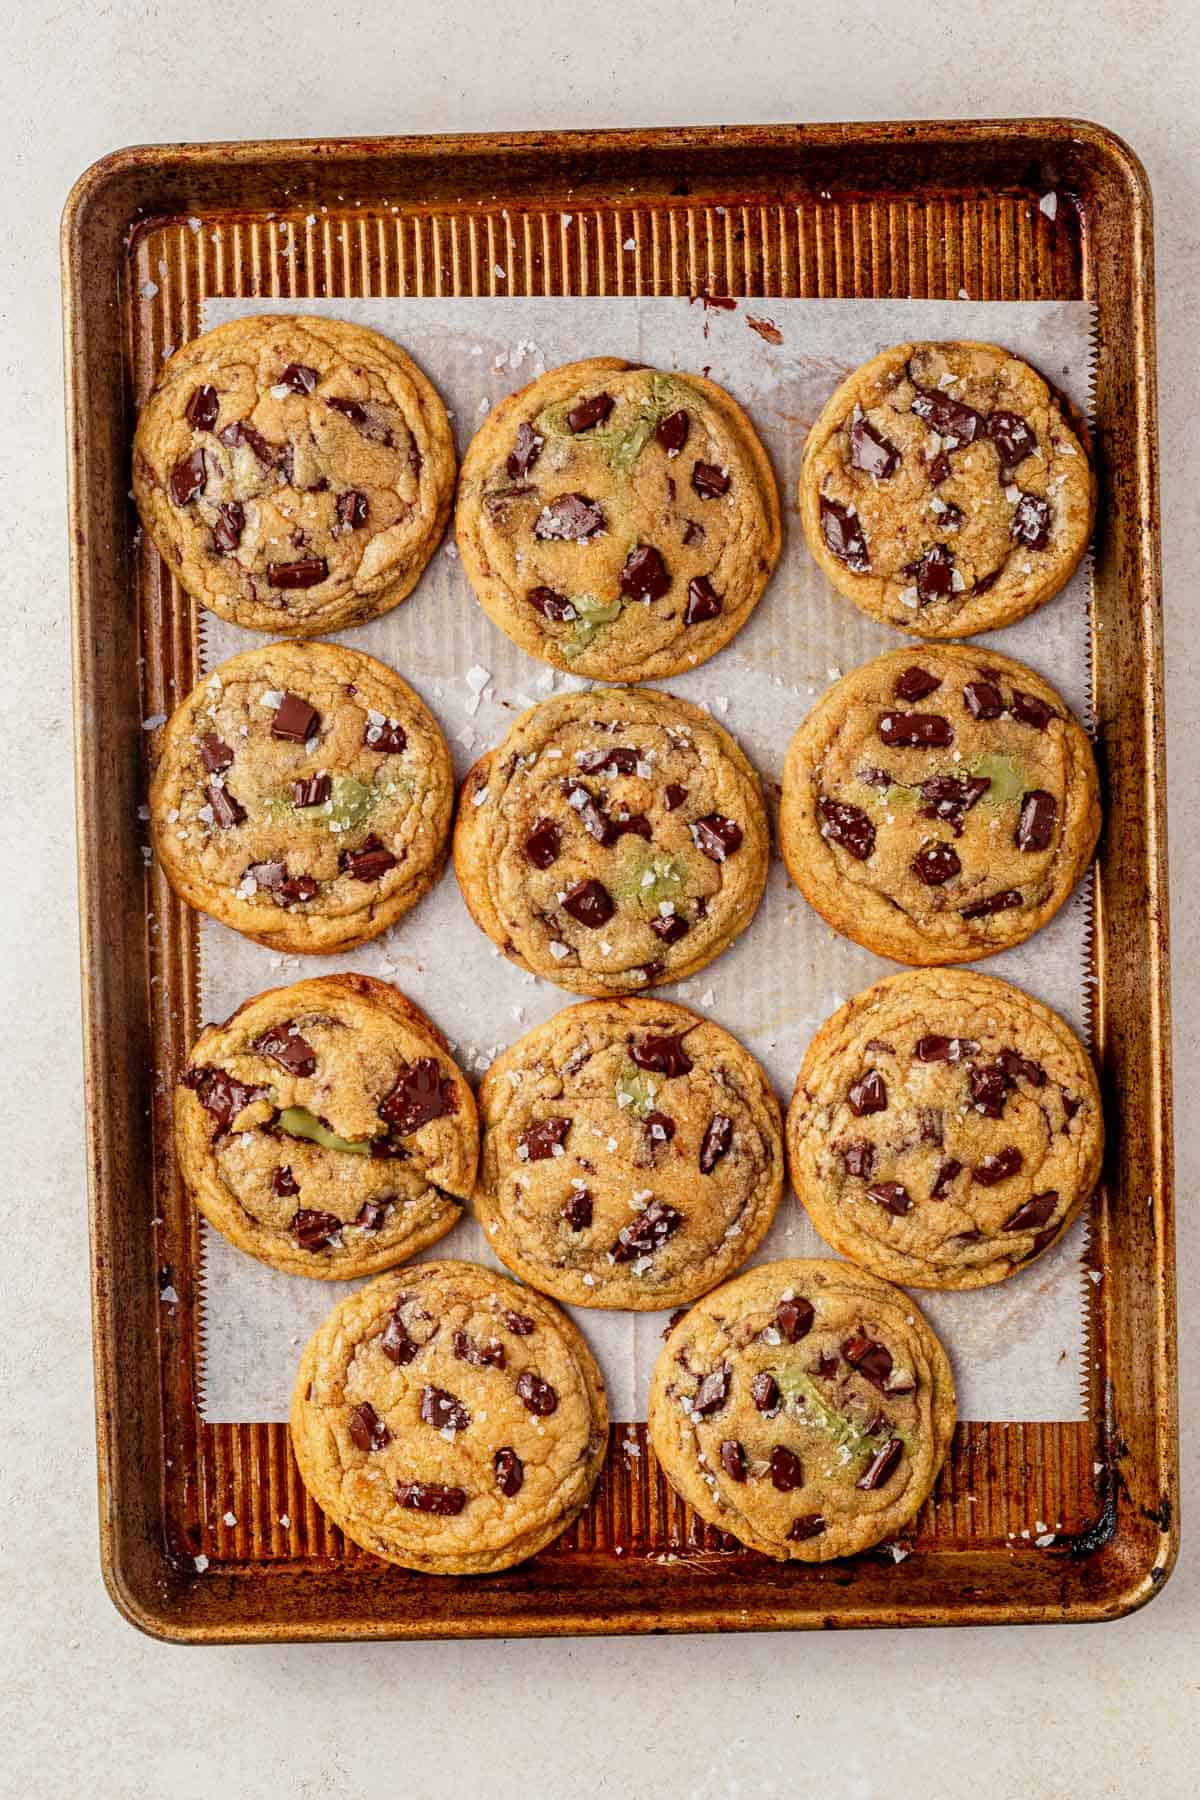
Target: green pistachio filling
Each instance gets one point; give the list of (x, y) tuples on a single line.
[(351, 802), (647, 877), (621, 444), (298, 1122), (635, 1090), (1005, 773), (843, 1429), (590, 615)]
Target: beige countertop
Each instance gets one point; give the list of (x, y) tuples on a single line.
[(89, 1707)]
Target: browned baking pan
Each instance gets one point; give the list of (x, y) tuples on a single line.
[(822, 211)]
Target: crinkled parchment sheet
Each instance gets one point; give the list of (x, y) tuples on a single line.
[(1017, 1348)]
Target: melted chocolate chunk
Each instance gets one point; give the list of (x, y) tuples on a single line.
[(670, 927), (916, 684), (988, 1089), (717, 1140), (520, 1324), (396, 1343), (1031, 522), (786, 1472), (231, 522), (542, 844), (590, 904), (536, 1395), (847, 825), (367, 1429), (881, 1465), (284, 1045), (299, 377), (808, 1525), (662, 1055), (202, 408), (352, 510), (313, 1230), (843, 535), (709, 481), (295, 889), (703, 601), (525, 452), (187, 479), (858, 1159), (692, 532), (577, 1209), (1038, 817), (239, 432), (1035, 1212), (647, 1233), (871, 1359), (372, 1213), (868, 1094), (442, 1410), (215, 755), (659, 1128), (421, 1093), (922, 731), (539, 1141), (644, 575), (431, 1497), (220, 1095), (795, 1319), (308, 572), (388, 737), (712, 1393), (934, 573), (995, 903), (1030, 710), (1021, 1068), (1001, 1167), (951, 797), (551, 605), (572, 517), (942, 1180), (295, 720), (313, 791), (933, 1048), (892, 1196), (1013, 439), (510, 1472), (674, 796), (480, 1356), (369, 863), (764, 1391), (983, 699), (733, 1459), (586, 413), (938, 469), (283, 1182), (717, 836), (672, 432), (954, 422), (935, 864), (227, 811), (871, 452)]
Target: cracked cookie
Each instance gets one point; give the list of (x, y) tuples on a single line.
[(631, 1155), (617, 521), (448, 1420), (805, 1407), (946, 489), (302, 794), (326, 1129), (939, 803), (295, 474), (945, 1129), (615, 840)]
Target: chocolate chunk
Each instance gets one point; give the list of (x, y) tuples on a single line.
[(871, 1359), (871, 452), (539, 1141), (396, 1343), (764, 1391), (295, 720), (571, 517), (914, 683), (1013, 439), (352, 510), (297, 888), (692, 532), (674, 796), (922, 731), (951, 797), (215, 755), (221, 1096), (238, 433), (712, 1393), (808, 1525), (1030, 710), (795, 1318), (480, 1356), (371, 1214), (388, 737), (231, 522), (1021, 1068), (367, 1429), (938, 469), (858, 1159), (703, 601), (786, 1472), (590, 904), (826, 1368), (717, 1140), (284, 1045), (314, 790), (892, 1196), (709, 481), (953, 421), (226, 810), (1034, 1212), (672, 432), (551, 605), (308, 572), (1001, 1167), (843, 534), (520, 1324), (936, 863), (299, 377), (881, 1465), (577, 1209), (1038, 817), (1031, 522), (945, 1175), (995, 903), (592, 816), (670, 927), (733, 1459), (349, 409), (717, 836), (933, 1048), (988, 1089), (868, 1094), (525, 452), (542, 844), (842, 823), (442, 1410), (313, 1230), (950, 518), (201, 413), (659, 1128), (269, 875), (983, 699), (510, 1472), (536, 1395), (662, 1055), (934, 573), (644, 575), (370, 862), (648, 1232), (283, 1182), (431, 1497), (187, 479), (586, 413), (421, 1093)]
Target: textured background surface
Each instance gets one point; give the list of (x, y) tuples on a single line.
[(88, 1707)]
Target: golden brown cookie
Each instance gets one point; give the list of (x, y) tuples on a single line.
[(617, 521), (805, 1407), (295, 474), (615, 840), (939, 804), (945, 490), (945, 1129), (302, 793), (326, 1129), (448, 1420), (632, 1155)]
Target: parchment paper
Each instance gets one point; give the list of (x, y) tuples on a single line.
[(1018, 1348)]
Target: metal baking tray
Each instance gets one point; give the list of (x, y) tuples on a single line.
[(832, 211)]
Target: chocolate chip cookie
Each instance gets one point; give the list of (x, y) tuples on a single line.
[(615, 840), (939, 804), (326, 1129), (631, 1155), (295, 474), (805, 1407), (946, 489), (945, 1129), (617, 521), (302, 793), (448, 1420)]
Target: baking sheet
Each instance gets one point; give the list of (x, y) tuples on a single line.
[(1017, 1349)]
